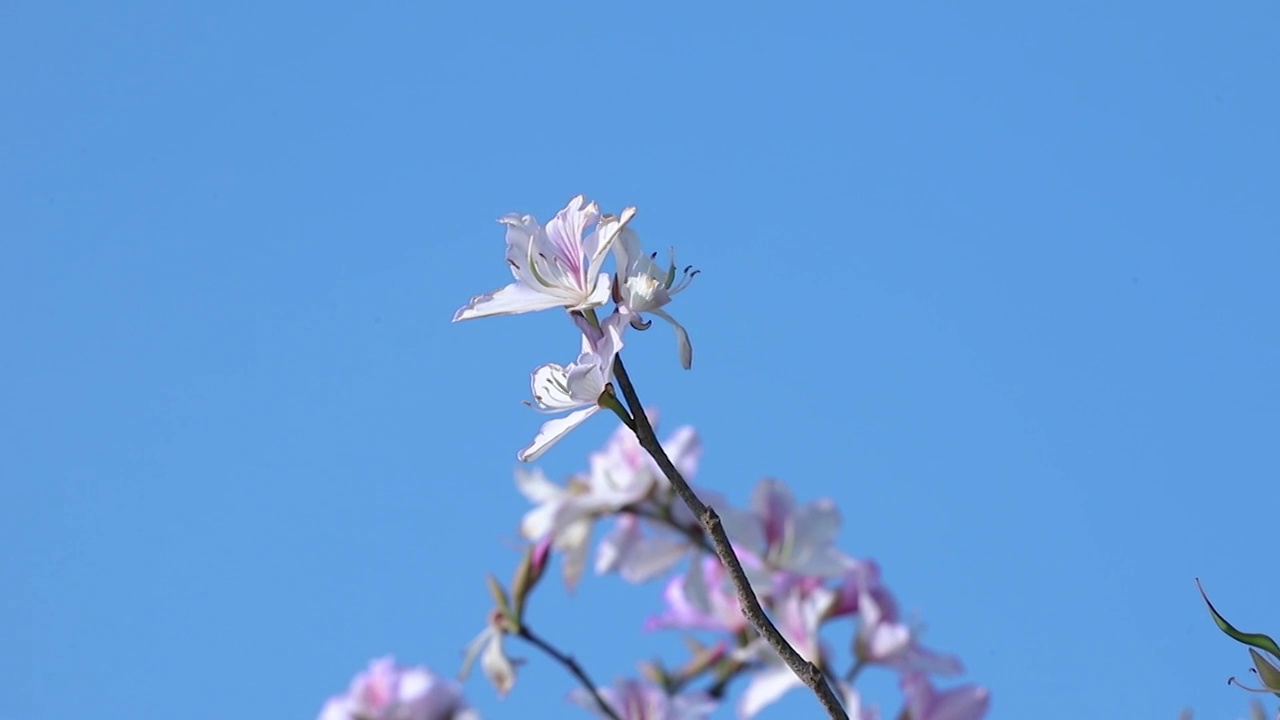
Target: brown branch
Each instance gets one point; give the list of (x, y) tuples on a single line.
[(569, 664), (808, 672)]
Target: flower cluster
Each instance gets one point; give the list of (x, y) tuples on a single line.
[(387, 691), (560, 266), (789, 550), (727, 570)]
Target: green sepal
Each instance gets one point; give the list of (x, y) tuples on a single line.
[(1258, 640), (1269, 674)]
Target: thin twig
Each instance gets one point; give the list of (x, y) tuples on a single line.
[(569, 664), (694, 535), (808, 672)]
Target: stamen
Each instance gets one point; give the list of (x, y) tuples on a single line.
[(1246, 688)]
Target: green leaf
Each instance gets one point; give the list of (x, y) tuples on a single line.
[(1258, 640)]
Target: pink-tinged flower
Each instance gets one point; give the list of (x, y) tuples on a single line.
[(558, 517), (635, 556), (683, 447), (799, 616), (389, 692), (924, 702), (633, 700), (644, 287), (790, 539), (576, 388), (700, 599), (556, 266), (497, 666), (621, 476), (882, 637)]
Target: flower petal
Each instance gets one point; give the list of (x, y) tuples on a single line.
[(514, 299), (551, 432), (683, 346), (766, 687), (651, 557)]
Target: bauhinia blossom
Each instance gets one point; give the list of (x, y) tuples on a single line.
[(966, 702), (576, 388), (799, 614), (633, 700), (701, 599), (389, 692), (882, 637), (620, 476), (556, 266), (799, 540), (645, 287)]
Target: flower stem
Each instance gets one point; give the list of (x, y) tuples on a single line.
[(569, 664), (808, 672)]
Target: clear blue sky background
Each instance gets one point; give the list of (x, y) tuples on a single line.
[(999, 278)]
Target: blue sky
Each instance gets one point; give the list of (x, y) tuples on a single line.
[(998, 278)]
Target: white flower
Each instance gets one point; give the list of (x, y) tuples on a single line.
[(575, 388), (799, 615), (644, 287), (798, 540), (497, 667), (559, 514), (556, 266)]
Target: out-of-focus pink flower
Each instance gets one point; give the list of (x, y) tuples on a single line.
[(635, 556), (556, 266), (388, 692), (633, 700), (882, 637), (621, 475), (924, 702), (701, 599), (799, 616), (799, 540)]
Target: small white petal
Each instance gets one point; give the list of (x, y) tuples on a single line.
[(572, 543), (549, 385), (767, 685), (497, 666), (683, 346), (651, 557), (552, 430)]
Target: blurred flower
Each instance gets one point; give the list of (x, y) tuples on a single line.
[(577, 387), (558, 518), (638, 557), (654, 531), (388, 692), (853, 706), (787, 538), (554, 267), (497, 666), (644, 287), (633, 700), (621, 475), (700, 599), (882, 638), (924, 702), (798, 615)]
